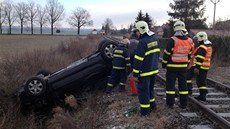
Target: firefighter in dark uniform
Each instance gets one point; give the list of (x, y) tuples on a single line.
[(145, 67), (176, 58), (121, 63), (201, 63)]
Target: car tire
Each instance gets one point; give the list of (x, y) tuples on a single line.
[(35, 86), (101, 43), (44, 72), (107, 50)]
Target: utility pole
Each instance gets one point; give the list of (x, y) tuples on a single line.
[(214, 2)]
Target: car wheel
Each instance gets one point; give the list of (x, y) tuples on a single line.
[(107, 50), (101, 43), (35, 86), (44, 72)]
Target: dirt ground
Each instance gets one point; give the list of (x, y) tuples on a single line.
[(121, 110), (116, 111)]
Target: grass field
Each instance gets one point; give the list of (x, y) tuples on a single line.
[(20, 43)]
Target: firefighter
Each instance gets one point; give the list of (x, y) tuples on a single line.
[(201, 63), (177, 55), (121, 64), (145, 66)]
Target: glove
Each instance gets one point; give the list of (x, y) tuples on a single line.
[(196, 71), (135, 79), (163, 65)]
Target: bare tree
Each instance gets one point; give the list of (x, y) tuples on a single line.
[(108, 25), (55, 11), (80, 17), (32, 11), (2, 16), (21, 11), (41, 16), (10, 13)]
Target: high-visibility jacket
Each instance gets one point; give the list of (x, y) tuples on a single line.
[(121, 59), (181, 50), (178, 53), (202, 57)]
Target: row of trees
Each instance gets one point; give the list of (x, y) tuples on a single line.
[(189, 11), (32, 13), (140, 17)]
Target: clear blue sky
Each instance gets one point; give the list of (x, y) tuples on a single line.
[(123, 12)]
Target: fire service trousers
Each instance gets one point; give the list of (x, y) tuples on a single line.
[(118, 75), (200, 81), (170, 87), (146, 94)]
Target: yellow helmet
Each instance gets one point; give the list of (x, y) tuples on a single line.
[(142, 27), (179, 25)]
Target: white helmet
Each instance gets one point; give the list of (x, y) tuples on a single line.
[(179, 25), (142, 27), (202, 36)]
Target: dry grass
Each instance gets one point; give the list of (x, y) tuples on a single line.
[(18, 66), (21, 43), (123, 112), (120, 110), (61, 120)]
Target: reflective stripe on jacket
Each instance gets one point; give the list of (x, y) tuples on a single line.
[(177, 53), (181, 49), (146, 56), (203, 61), (121, 58)]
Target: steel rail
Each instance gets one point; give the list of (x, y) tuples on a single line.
[(218, 85), (224, 124)]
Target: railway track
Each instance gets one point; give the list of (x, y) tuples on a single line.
[(216, 108)]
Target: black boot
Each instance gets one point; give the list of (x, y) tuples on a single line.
[(202, 95), (183, 106), (170, 106), (202, 98), (189, 89), (152, 106), (108, 90), (145, 111), (190, 92), (121, 88)]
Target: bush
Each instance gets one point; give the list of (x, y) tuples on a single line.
[(221, 50)]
